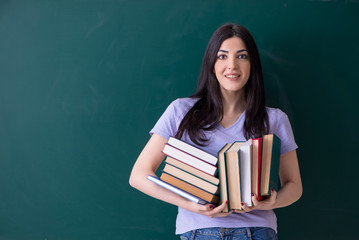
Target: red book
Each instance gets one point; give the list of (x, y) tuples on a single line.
[(256, 166)]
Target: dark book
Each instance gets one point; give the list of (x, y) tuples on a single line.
[(223, 175)]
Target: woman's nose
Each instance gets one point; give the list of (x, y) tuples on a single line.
[(232, 63)]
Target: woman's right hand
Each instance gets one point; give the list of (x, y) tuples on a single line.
[(208, 210)]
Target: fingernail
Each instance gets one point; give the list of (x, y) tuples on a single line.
[(211, 206), (252, 194), (226, 202), (242, 203)]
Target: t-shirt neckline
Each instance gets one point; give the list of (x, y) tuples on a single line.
[(234, 124)]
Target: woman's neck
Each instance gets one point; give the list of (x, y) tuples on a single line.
[(233, 107), (233, 103)]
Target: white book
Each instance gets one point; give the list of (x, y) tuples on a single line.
[(189, 159), (245, 152), (196, 152), (176, 190)]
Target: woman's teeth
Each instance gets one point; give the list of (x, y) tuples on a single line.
[(232, 76)]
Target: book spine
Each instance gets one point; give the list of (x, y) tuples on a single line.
[(240, 183)]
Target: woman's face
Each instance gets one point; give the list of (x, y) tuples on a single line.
[(232, 67)]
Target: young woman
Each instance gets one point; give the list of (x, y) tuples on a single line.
[(228, 106)]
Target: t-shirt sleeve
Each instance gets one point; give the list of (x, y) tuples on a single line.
[(283, 129), (166, 125)]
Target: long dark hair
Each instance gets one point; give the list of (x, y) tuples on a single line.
[(207, 112)]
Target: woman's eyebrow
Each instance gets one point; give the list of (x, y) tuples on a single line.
[(225, 51)]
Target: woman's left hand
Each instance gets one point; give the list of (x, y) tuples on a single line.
[(291, 183), (266, 204)]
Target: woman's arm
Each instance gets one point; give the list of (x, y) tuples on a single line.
[(147, 163), (291, 182), (290, 179)]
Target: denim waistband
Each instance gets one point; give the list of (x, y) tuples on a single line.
[(245, 233)]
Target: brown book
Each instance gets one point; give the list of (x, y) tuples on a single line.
[(192, 170), (233, 164), (270, 164), (191, 179), (189, 188)]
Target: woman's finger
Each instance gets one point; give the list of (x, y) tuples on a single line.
[(254, 200), (273, 194), (246, 208)]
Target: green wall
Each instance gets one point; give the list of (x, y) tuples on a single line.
[(83, 81)]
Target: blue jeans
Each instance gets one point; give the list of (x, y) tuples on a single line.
[(251, 233)]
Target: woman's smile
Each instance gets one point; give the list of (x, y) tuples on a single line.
[(232, 76)]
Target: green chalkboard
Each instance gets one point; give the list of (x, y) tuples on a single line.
[(83, 81)]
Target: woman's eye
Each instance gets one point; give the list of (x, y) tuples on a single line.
[(243, 56), (220, 57)]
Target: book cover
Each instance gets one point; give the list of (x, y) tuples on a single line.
[(184, 157), (176, 190), (246, 169), (233, 169), (191, 179), (188, 188), (256, 166), (194, 151), (223, 175), (270, 164), (192, 170)]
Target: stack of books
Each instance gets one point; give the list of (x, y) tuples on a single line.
[(243, 168), (249, 167), (190, 172)]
